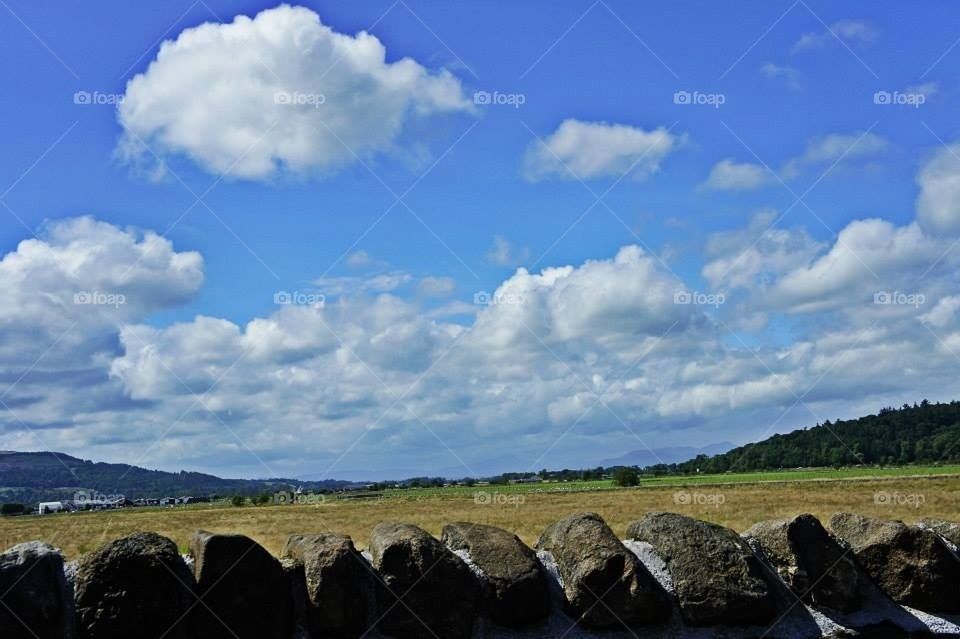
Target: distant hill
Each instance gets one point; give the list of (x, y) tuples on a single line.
[(667, 455), (924, 433), (32, 477)]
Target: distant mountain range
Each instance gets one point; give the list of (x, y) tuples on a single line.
[(669, 455), (48, 476)]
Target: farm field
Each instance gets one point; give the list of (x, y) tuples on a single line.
[(811, 474), (738, 501)]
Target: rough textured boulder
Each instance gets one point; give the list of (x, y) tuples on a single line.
[(514, 583), (912, 565), (137, 586), (35, 600), (947, 529), (426, 590), (604, 584), (810, 560), (717, 578), (337, 581), (244, 590)]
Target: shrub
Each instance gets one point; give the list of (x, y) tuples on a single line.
[(12, 509), (626, 477)]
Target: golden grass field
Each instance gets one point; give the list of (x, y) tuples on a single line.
[(528, 514)]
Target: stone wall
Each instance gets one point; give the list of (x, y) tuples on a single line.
[(671, 576)]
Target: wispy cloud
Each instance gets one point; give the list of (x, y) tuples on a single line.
[(850, 32), (503, 253), (837, 147), (729, 175), (789, 75)]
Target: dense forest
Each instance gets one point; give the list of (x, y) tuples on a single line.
[(924, 433)]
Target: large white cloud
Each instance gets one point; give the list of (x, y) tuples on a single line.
[(869, 256), (278, 91), (788, 271), (66, 293), (622, 298), (587, 150), (89, 274)]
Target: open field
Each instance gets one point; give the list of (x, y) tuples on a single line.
[(806, 474), (525, 509)]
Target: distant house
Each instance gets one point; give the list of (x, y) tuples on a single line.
[(47, 507)]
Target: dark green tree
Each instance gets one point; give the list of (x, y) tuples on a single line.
[(626, 477)]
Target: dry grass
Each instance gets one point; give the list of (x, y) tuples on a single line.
[(742, 505)]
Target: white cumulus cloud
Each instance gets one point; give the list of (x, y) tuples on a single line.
[(66, 294), (587, 150), (279, 91)]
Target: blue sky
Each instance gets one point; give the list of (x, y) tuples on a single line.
[(817, 171)]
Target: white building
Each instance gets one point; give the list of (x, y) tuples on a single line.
[(52, 507)]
